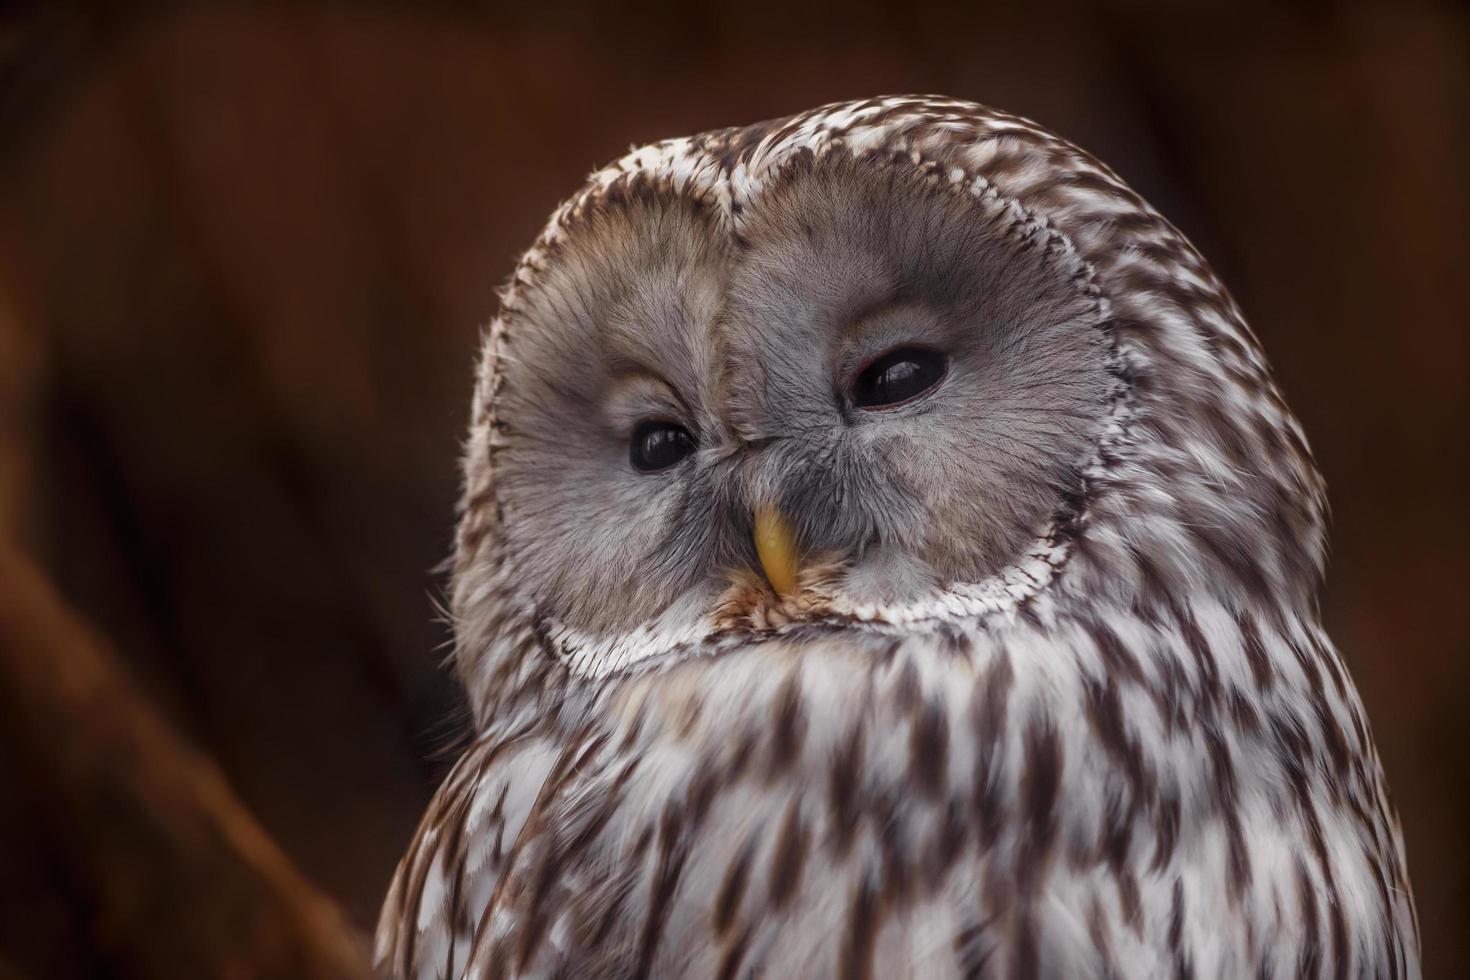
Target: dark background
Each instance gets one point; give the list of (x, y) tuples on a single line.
[(246, 252)]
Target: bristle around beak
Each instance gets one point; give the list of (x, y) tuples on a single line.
[(775, 544)]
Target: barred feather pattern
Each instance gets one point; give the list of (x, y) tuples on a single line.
[(1134, 754)]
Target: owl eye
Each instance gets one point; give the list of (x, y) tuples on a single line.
[(657, 445), (898, 376)]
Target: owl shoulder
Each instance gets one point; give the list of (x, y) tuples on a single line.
[(458, 854)]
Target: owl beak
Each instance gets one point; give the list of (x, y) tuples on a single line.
[(775, 545)]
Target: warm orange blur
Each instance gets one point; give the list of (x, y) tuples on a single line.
[(245, 254)]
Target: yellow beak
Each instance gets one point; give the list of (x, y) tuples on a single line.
[(775, 544)]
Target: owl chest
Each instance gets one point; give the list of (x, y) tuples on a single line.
[(804, 797)]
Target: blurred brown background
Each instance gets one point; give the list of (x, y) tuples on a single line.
[(245, 253)]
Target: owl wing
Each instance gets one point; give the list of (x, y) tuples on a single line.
[(451, 868)]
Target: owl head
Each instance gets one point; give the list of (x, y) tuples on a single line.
[(881, 363)]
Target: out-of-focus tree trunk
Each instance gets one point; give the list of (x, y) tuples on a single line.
[(182, 880)]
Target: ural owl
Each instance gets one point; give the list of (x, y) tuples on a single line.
[(884, 553)]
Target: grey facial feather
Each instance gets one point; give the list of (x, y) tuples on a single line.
[(842, 261), (757, 339)]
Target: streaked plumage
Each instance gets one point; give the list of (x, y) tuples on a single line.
[(1052, 698)]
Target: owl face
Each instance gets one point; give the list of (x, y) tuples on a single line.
[(895, 364), (859, 361)]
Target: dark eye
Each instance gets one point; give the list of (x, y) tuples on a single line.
[(898, 376), (657, 445)]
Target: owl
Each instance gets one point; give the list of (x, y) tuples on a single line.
[(884, 553)]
